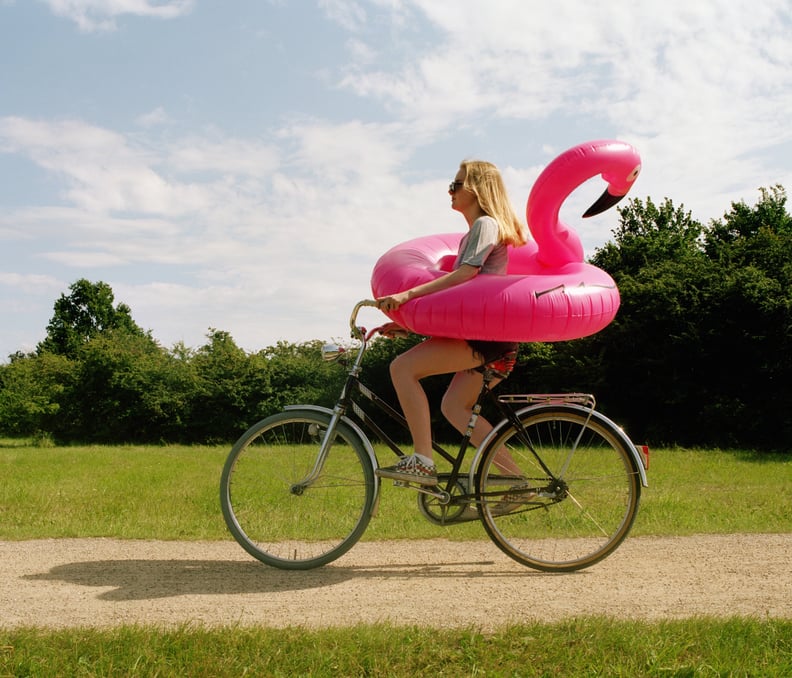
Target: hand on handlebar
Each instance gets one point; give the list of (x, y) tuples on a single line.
[(391, 302), (392, 331)]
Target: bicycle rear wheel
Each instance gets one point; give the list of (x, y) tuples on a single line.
[(276, 511), (575, 515)]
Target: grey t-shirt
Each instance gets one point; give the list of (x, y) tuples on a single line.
[(481, 248)]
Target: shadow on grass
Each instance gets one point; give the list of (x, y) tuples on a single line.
[(150, 579)]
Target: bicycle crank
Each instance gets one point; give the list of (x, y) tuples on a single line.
[(442, 496)]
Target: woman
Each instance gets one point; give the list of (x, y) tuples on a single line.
[(479, 194)]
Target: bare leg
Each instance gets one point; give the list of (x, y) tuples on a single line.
[(433, 356), (457, 406), (458, 401)]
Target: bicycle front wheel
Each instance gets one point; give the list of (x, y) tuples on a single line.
[(281, 507), (575, 497)]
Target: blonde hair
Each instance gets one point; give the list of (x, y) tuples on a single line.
[(484, 180)]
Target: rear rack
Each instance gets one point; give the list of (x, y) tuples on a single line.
[(584, 399)]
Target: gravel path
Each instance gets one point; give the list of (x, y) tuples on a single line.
[(106, 582)]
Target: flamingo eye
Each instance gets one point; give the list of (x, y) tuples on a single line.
[(632, 176)]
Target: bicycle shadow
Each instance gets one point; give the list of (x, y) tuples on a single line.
[(130, 580)]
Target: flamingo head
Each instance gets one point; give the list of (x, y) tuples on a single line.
[(619, 184), (618, 163)]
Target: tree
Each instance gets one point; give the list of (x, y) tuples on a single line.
[(31, 387), (649, 235), (699, 353), (126, 389), (749, 329), (745, 231), (87, 311), (297, 374), (229, 384)]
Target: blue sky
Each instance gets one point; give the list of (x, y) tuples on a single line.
[(240, 165)]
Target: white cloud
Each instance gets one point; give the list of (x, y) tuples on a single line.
[(334, 152), (26, 300), (225, 156), (346, 13), (271, 224), (360, 52), (698, 87), (31, 282), (106, 172), (266, 222), (154, 118), (83, 259), (100, 15)]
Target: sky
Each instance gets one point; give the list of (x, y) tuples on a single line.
[(240, 165)]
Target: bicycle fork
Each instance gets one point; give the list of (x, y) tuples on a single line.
[(324, 449)]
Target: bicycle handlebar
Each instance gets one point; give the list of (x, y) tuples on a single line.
[(358, 332)]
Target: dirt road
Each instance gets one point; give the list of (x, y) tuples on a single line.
[(104, 582)]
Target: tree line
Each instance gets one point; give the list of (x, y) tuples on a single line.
[(700, 352)]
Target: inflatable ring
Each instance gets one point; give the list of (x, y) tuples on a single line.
[(548, 294)]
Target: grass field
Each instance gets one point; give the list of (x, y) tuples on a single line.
[(574, 649), (111, 492), (171, 493)]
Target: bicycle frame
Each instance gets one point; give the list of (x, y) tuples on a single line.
[(348, 405)]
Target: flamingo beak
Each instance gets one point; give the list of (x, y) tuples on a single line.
[(604, 202)]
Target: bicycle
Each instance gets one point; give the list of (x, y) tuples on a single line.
[(298, 489)]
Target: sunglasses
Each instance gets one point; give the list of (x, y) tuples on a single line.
[(454, 186)]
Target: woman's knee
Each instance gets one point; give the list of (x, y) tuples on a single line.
[(448, 408), (402, 370), (453, 406), (397, 366)]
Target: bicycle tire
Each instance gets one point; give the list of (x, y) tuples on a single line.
[(566, 524), (276, 517)]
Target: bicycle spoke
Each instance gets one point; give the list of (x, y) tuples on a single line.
[(283, 508), (590, 498)]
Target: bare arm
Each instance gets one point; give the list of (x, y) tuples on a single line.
[(464, 273)]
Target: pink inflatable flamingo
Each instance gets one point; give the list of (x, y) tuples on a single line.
[(549, 293), (619, 165)]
